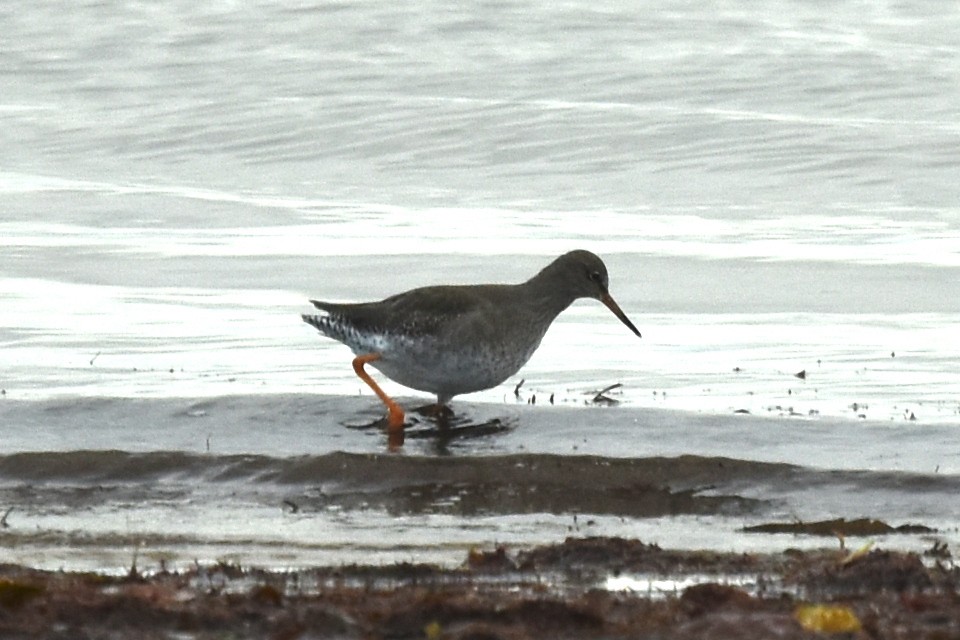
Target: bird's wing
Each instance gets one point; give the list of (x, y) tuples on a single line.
[(424, 311)]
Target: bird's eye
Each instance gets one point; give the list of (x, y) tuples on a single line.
[(596, 276)]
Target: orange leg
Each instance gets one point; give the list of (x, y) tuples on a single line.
[(394, 412)]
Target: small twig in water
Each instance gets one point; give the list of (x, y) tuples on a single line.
[(134, 574), (3, 520), (294, 507), (516, 389), (616, 385), (97, 355), (602, 397)]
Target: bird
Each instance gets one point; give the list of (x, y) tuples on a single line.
[(450, 340)]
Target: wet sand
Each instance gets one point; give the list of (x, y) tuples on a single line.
[(567, 590)]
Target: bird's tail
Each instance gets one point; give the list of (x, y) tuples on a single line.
[(332, 327), (315, 321)]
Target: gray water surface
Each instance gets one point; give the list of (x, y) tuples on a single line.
[(773, 188)]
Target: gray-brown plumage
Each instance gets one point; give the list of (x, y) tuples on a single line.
[(450, 340)]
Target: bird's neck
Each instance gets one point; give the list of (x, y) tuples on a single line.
[(545, 294)]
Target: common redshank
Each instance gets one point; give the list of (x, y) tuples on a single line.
[(451, 340)]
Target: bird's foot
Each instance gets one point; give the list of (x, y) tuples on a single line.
[(392, 423), (435, 411), (440, 414)]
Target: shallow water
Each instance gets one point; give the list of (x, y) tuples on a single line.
[(773, 190), (284, 481)]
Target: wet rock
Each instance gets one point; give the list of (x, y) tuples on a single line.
[(838, 527), (593, 552), (496, 560), (703, 598), (736, 625)]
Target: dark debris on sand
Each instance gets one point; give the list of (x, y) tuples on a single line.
[(547, 592)]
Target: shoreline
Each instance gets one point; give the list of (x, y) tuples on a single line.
[(290, 481), (564, 590)]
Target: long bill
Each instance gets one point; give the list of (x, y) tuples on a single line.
[(606, 299)]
